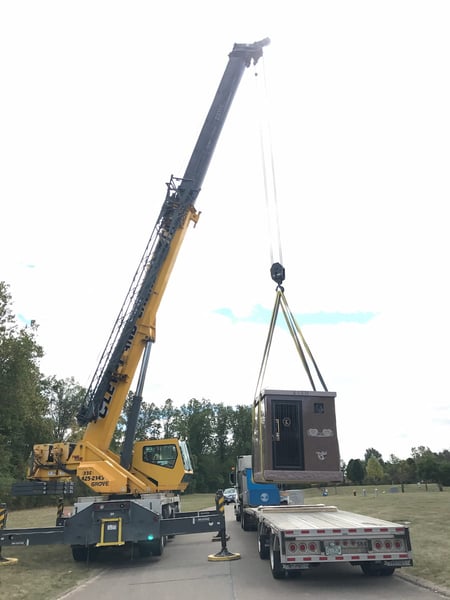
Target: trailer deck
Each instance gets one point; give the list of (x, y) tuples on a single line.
[(328, 520)]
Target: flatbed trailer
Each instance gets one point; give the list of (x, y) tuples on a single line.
[(300, 537)]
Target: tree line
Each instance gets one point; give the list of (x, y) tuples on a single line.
[(423, 466), (37, 408)]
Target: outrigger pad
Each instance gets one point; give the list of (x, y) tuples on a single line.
[(295, 438)]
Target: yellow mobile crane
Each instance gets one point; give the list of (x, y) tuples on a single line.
[(134, 505)]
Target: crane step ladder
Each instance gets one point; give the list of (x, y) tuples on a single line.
[(294, 432)]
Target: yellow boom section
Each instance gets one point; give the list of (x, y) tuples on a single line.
[(134, 331), (100, 432)]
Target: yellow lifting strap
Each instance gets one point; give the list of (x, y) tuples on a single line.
[(299, 342)]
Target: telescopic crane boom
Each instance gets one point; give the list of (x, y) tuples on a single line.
[(134, 330)]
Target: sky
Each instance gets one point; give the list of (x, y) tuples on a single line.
[(102, 102)]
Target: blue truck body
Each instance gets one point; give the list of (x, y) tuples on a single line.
[(251, 494)]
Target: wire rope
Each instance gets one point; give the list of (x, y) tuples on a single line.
[(276, 256), (268, 168)]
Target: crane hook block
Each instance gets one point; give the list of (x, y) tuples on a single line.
[(277, 273)]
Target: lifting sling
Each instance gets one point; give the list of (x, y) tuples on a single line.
[(299, 341)]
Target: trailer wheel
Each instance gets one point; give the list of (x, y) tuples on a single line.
[(374, 570), (263, 547), (245, 521), (275, 561), (237, 512)]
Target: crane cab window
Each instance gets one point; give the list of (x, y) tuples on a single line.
[(163, 455)]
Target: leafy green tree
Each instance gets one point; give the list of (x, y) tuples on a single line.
[(399, 471), (64, 398), (443, 468), (374, 470), (149, 423), (372, 452), (355, 471), (444, 455), (427, 465), (23, 405), (196, 422), (418, 451), (216, 435), (241, 431), (169, 416), (222, 434), (411, 470), (443, 473)]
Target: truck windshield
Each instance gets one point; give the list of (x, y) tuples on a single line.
[(163, 455), (186, 455)]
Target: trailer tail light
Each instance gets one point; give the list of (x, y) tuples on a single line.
[(303, 548), (388, 545)]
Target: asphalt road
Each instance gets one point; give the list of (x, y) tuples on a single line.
[(184, 571)]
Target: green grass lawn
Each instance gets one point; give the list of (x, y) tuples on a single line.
[(45, 572), (428, 513)]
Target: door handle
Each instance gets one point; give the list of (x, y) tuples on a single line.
[(276, 433)]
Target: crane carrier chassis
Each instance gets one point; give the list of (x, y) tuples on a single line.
[(300, 537), (143, 523)]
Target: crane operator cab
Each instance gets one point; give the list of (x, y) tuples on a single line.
[(165, 463)]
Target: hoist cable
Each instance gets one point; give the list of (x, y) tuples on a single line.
[(277, 269), (268, 169)]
